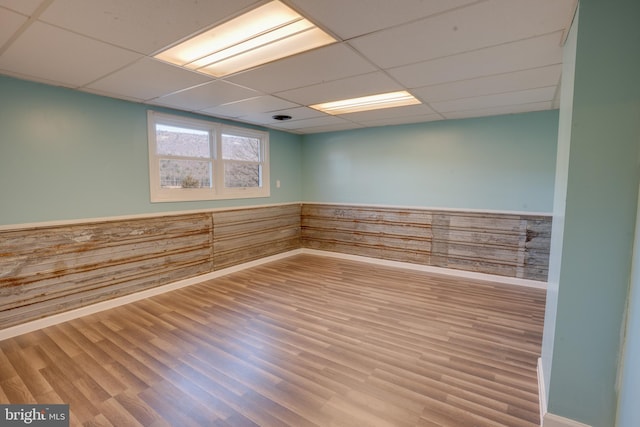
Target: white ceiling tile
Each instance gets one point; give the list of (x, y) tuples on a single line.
[(298, 113), (508, 82), (11, 22), (112, 95), (147, 79), (409, 110), (26, 7), (312, 122), (206, 96), (144, 26), (350, 87), (496, 111), (535, 52), (292, 131), (330, 128), (22, 76), (245, 107), (477, 26), (44, 51), (467, 57), (328, 63), (352, 18), (497, 100), (401, 120)]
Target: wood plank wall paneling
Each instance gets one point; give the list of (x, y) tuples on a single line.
[(244, 235), (511, 245), (48, 270), (394, 234)]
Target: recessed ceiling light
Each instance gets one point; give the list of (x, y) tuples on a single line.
[(366, 103), (269, 32)]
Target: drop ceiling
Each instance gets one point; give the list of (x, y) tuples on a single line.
[(460, 58)]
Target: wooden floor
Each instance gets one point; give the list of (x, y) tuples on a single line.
[(305, 341)]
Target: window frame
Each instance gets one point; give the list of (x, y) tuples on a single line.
[(217, 191)]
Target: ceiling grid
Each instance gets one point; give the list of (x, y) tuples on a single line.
[(461, 58)]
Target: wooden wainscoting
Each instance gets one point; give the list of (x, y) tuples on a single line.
[(243, 235), (49, 270), (306, 341), (502, 244), (393, 234), (513, 245)]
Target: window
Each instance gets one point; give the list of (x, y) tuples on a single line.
[(193, 159)]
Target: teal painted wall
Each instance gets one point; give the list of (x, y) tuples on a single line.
[(600, 213), (628, 408), (71, 155), (559, 199), (68, 155), (493, 163)]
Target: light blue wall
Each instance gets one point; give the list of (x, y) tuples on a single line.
[(494, 163), (560, 198), (601, 201), (70, 155), (628, 408)]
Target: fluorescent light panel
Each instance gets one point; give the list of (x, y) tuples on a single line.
[(269, 32), (366, 103)]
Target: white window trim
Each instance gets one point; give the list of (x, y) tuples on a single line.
[(218, 192)]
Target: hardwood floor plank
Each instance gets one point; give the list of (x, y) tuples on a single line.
[(306, 341), (143, 413), (16, 390)]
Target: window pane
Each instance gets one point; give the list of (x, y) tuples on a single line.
[(185, 174), (239, 175), (236, 147), (180, 141)]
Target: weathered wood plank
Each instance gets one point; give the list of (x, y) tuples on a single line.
[(249, 234), (251, 253), (383, 228), (479, 266), (37, 268), (253, 215), (58, 239), (513, 245), (371, 240), (48, 270), (388, 253), (244, 242), (499, 255), (363, 213), (387, 233), (510, 240), (101, 276), (499, 223), (99, 292)]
